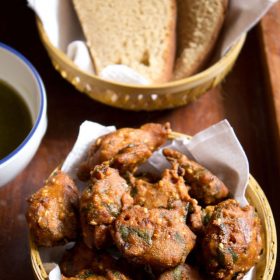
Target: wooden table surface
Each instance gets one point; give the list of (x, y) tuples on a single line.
[(247, 98)]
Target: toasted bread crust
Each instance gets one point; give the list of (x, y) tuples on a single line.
[(136, 33), (198, 25)]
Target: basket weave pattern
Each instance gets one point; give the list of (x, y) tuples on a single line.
[(137, 97)]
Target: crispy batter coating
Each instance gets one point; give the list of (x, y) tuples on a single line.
[(81, 261), (52, 213), (232, 242), (205, 187), (77, 259), (195, 216), (101, 202), (182, 272), (126, 148), (96, 236), (207, 213), (157, 237), (169, 192)]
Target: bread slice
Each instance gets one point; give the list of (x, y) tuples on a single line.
[(198, 25), (136, 33)]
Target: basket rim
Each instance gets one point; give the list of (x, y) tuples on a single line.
[(198, 78), (269, 224)]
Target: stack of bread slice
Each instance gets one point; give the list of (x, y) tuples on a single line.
[(162, 40)]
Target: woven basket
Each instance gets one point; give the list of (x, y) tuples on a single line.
[(139, 97), (255, 196)]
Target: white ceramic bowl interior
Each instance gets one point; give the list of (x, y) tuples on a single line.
[(17, 71)]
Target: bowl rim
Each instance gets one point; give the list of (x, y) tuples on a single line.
[(210, 71), (43, 100)]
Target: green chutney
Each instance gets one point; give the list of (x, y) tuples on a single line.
[(15, 119)]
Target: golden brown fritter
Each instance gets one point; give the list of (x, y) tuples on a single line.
[(81, 261), (232, 242), (181, 272), (52, 213), (126, 148), (76, 259), (205, 187), (112, 268), (144, 227), (207, 213), (157, 237), (169, 192), (195, 216), (101, 202), (96, 236)]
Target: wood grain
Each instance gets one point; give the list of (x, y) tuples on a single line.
[(269, 31), (242, 99)]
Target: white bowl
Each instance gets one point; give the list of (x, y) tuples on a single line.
[(17, 71)]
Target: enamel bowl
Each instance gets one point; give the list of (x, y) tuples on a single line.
[(20, 74)]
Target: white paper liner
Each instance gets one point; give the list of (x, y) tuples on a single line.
[(63, 29), (216, 147), (88, 133)]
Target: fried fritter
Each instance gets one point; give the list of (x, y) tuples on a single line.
[(101, 202), (126, 148), (195, 216), (52, 213), (77, 259), (157, 237), (232, 242), (182, 272), (205, 187), (81, 261), (169, 192)]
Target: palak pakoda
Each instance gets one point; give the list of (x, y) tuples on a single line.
[(52, 212), (168, 192), (232, 241), (101, 202), (81, 262), (205, 186), (126, 148), (139, 226), (157, 237)]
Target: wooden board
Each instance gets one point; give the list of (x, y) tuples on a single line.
[(269, 32), (248, 98)]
